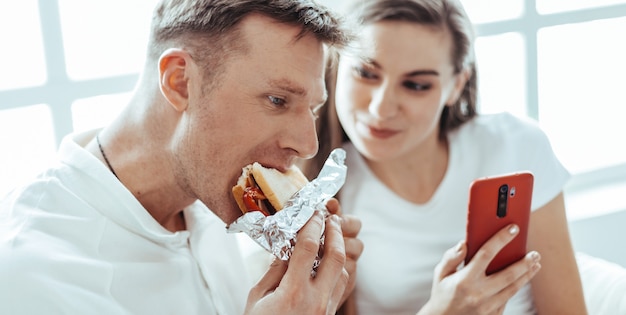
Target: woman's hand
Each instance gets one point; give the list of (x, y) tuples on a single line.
[(469, 290)]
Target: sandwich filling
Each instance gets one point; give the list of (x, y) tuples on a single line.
[(266, 189)]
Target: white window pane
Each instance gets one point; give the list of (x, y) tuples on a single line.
[(484, 11), (98, 111), (553, 6), (501, 73), (104, 38), (22, 55), (27, 139), (581, 92)]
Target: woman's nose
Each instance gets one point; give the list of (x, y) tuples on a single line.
[(383, 103)]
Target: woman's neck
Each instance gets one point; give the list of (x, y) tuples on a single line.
[(416, 175)]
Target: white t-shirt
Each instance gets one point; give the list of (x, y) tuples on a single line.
[(404, 241), (76, 241)]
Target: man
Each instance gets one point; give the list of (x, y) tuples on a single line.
[(122, 224)]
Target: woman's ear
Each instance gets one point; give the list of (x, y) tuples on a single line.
[(174, 70), (461, 79)]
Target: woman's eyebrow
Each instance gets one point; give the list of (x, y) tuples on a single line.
[(422, 72), (373, 63)]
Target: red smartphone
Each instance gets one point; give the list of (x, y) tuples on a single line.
[(495, 202)]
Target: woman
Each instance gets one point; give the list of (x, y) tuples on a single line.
[(406, 99)]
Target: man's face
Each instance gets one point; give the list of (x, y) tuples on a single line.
[(261, 108)]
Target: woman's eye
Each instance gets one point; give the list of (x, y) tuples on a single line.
[(276, 100), (415, 86), (363, 73)]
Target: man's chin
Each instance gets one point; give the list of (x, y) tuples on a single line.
[(232, 214), (227, 211)]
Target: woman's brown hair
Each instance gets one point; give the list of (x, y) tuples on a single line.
[(448, 15)]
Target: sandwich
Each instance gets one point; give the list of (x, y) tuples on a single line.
[(266, 189)]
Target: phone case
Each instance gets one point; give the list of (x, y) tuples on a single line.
[(495, 202)]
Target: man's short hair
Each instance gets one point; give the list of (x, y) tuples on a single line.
[(208, 28)]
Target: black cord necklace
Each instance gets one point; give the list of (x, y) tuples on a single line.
[(105, 156)]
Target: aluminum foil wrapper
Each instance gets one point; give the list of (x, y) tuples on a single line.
[(277, 233)]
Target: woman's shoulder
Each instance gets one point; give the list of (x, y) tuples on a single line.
[(500, 127), (503, 139)]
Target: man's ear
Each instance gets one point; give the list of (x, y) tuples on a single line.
[(174, 70), (460, 80)]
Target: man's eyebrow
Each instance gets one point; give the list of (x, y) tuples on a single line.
[(293, 88), (288, 86)]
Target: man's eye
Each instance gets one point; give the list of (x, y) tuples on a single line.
[(363, 73), (276, 100)]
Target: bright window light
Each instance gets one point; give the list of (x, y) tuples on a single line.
[(501, 64), (555, 6), (104, 38), (485, 11), (27, 139), (22, 54), (97, 111), (581, 92)]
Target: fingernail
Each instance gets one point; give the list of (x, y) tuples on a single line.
[(335, 218), (513, 229), (536, 267), (458, 246), (534, 256)]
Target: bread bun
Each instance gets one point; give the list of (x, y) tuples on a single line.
[(275, 187)]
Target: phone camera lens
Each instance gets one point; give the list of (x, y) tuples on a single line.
[(502, 201), (504, 189)]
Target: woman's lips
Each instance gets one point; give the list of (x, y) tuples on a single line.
[(378, 133)]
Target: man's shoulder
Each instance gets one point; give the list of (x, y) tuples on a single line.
[(27, 260), (43, 192), (44, 280)]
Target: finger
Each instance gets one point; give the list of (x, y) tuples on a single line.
[(334, 259), (332, 272), (351, 268), (354, 247), (450, 261), (333, 206), (339, 294), (498, 300), (490, 249), (511, 279), (306, 249), (270, 280), (350, 225)]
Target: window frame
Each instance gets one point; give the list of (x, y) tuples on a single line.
[(59, 91)]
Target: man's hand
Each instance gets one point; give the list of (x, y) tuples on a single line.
[(470, 290), (290, 289), (351, 226)]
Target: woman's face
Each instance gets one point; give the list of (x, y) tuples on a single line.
[(391, 92)]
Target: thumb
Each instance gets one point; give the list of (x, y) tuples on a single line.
[(450, 261)]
